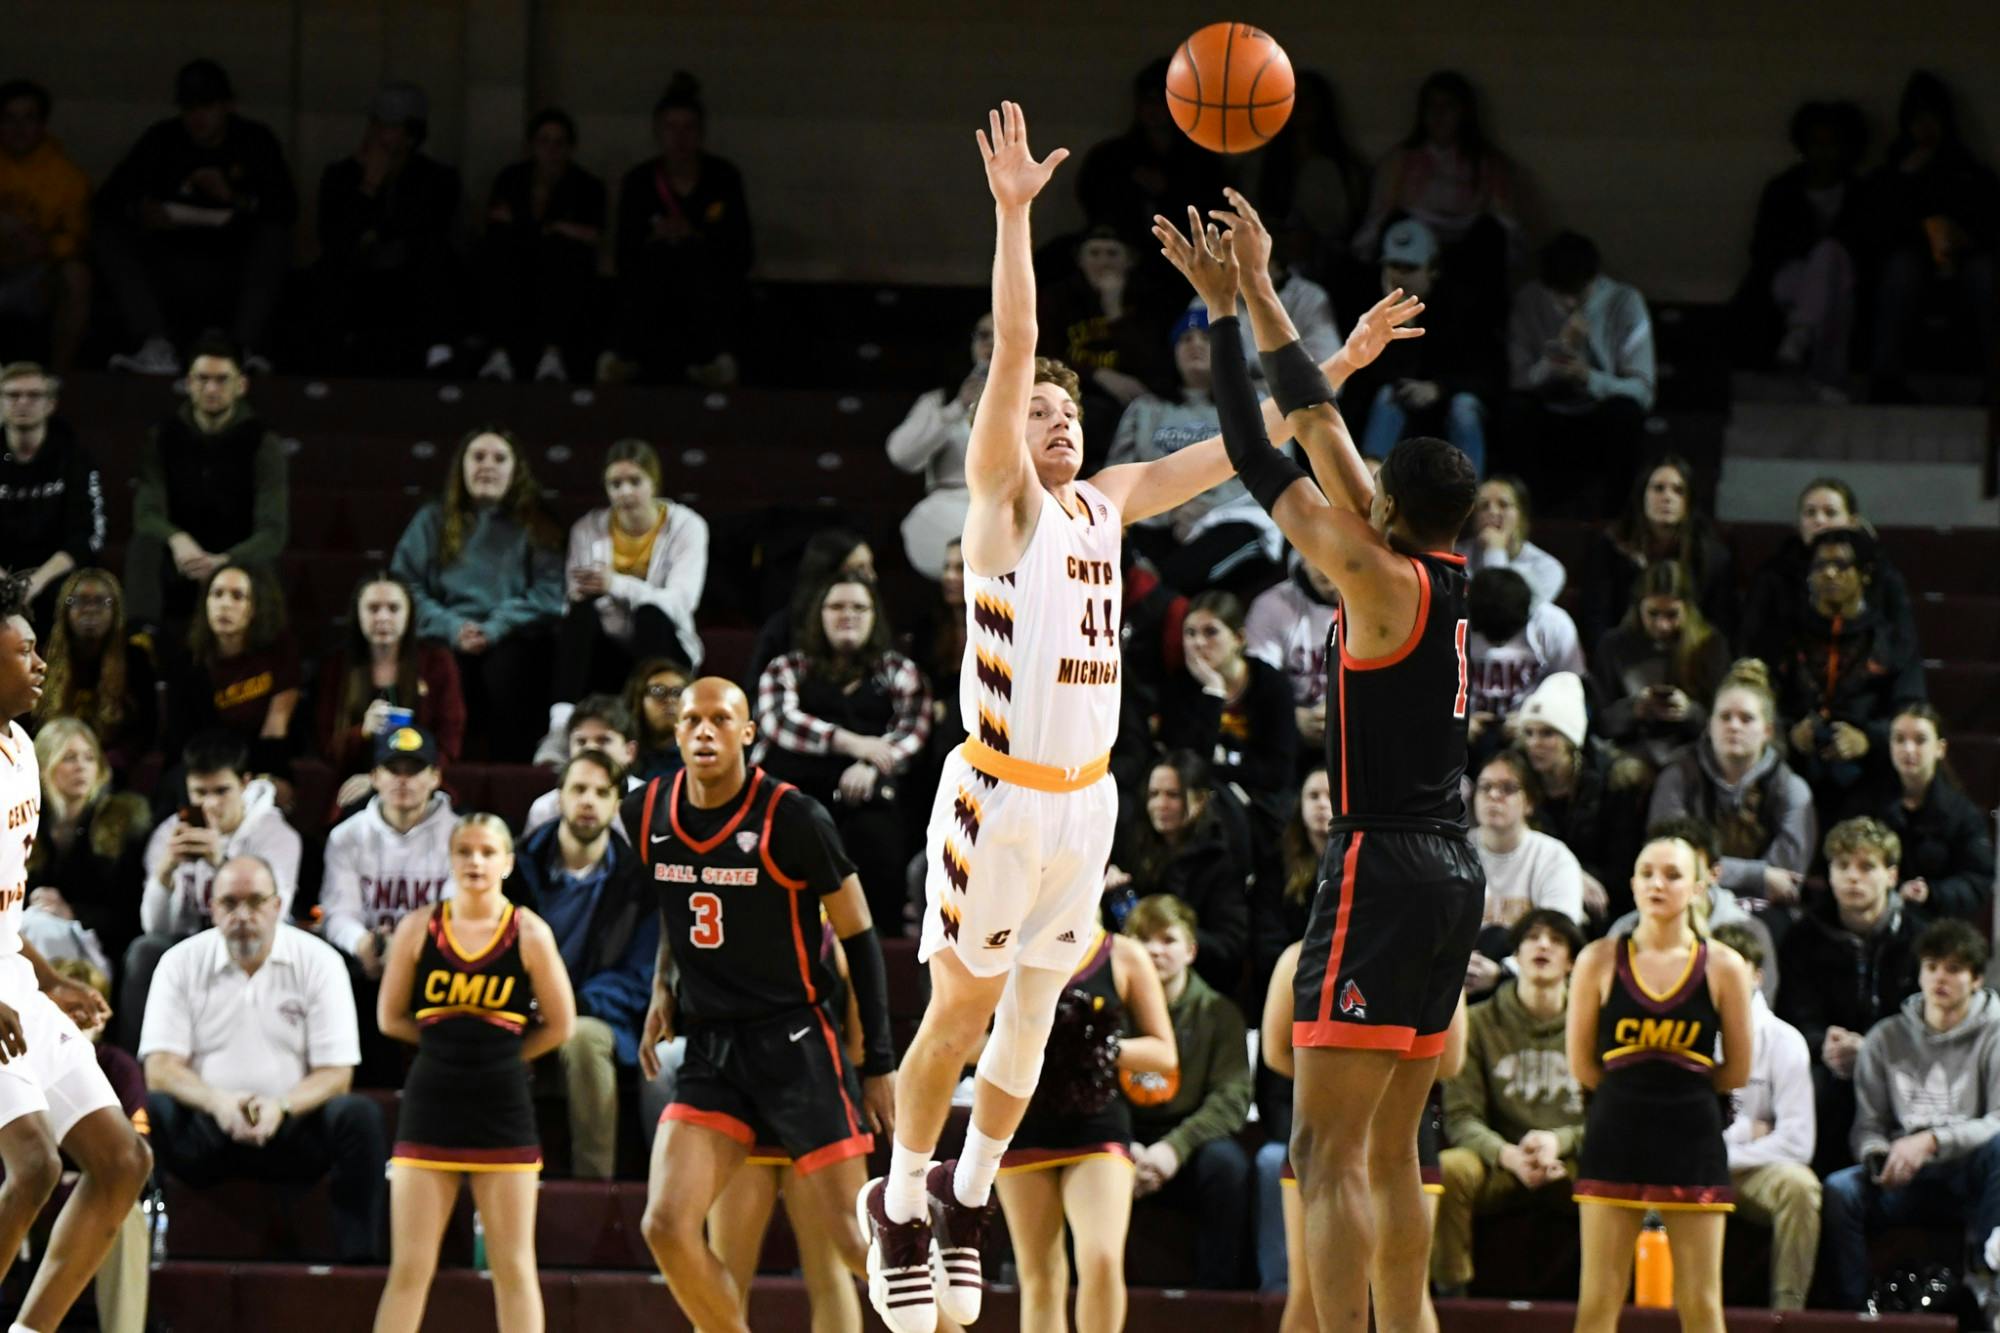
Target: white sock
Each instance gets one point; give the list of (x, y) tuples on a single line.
[(903, 1188), (19, 1328), (978, 1163)]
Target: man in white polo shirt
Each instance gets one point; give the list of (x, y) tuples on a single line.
[(250, 1046)]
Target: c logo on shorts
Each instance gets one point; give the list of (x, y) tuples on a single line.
[(1149, 1089)]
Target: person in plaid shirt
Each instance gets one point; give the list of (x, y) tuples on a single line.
[(841, 718)]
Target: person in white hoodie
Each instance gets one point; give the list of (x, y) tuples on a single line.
[(1515, 644), (1927, 1115), (1773, 1135), (229, 813), (392, 857)]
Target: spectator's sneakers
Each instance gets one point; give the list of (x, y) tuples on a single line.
[(499, 367), (550, 369), (958, 1233), (614, 369), (717, 374), (899, 1264), (156, 357)]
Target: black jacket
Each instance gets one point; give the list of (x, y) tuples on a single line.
[(1252, 740), (1778, 601), (1833, 978), (1947, 843), (1604, 584), (1208, 876), (1855, 669), (1601, 826), (406, 224), (163, 163), (102, 871), (53, 502)]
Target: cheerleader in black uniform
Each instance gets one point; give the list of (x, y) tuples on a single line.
[(477, 985), (1275, 1040), (1071, 1158), (1645, 1012)]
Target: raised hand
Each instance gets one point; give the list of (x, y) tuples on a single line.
[(1206, 257), (1387, 321), (1011, 170), (1249, 235)]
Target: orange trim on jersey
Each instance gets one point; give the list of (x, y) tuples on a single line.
[(646, 817), (1354, 1036), (703, 848), (1416, 631), (1331, 980), (839, 1072), (764, 843), (1340, 675), (820, 1158), (1026, 773), (1452, 557), (726, 1125)]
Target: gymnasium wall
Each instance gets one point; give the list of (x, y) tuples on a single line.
[(1649, 123)]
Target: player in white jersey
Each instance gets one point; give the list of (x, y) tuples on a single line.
[(51, 1090)]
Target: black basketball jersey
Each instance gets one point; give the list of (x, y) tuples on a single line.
[(739, 891), (1661, 1042), (471, 998), (1395, 736)]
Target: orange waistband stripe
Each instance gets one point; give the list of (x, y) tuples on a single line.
[(1025, 773)]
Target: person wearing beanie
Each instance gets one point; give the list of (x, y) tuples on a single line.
[(1590, 797)]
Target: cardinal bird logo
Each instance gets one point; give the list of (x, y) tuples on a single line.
[(1352, 1001)]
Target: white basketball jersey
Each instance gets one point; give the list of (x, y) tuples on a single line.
[(21, 799), (1040, 677)]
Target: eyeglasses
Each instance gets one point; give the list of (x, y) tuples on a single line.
[(89, 601), (1500, 789), (247, 906), (663, 691)]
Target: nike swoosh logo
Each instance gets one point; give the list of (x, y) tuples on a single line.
[(659, 838), (800, 1033)]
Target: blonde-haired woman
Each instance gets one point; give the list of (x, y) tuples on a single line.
[(87, 861), (477, 985)]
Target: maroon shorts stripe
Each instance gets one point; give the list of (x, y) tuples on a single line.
[(1041, 1159), (530, 1155), (1704, 1198)]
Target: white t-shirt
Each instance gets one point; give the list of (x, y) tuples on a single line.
[(21, 799), (1541, 872), (254, 1033), (1501, 676)]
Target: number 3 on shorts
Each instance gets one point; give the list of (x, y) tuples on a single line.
[(707, 932)]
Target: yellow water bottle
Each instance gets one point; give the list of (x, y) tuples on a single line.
[(1653, 1267)]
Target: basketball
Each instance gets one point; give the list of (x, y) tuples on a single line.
[(1230, 87)]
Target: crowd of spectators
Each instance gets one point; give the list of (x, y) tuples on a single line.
[(1627, 694)]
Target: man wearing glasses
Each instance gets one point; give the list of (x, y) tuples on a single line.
[(51, 498), (250, 1043)]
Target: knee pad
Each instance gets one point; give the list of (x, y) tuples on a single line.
[(1012, 1060)]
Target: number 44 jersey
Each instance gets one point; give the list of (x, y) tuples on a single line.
[(739, 889)]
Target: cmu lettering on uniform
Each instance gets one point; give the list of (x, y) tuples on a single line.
[(1086, 671), (468, 989), (1098, 573), (1663, 1034)]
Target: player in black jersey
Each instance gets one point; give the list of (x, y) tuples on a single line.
[(743, 865), (1401, 891)]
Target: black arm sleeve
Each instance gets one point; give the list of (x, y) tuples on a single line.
[(868, 976), (1295, 378), (1266, 472)]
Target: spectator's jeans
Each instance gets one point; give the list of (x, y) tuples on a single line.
[(1907, 277), (588, 659), (1785, 1197), (345, 1138), (1214, 1185), (1965, 1189), (507, 691), (590, 1069), (1272, 1274), (1459, 417), (1473, 1189), (173, 282)]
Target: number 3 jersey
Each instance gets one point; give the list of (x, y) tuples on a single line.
[(1041, 670), (739, 889), (21, 798)]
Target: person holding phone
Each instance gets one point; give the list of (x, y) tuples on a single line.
[(1657, 667)]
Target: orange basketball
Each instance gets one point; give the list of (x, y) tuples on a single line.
[(1230, 87)]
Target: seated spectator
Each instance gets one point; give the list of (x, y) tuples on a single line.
[(1279, 913), (1846, 673), (1449, 176), (213, 490), (537, 262), (1717, 906), (653, 699), (1800, 295), (1220, 535), (484, 566), (1515, 644), (1947, 863), (1287, 628), (250, 1069), (593, 891), (89, 853), (1735, 779), (1850, 962), (44, 226), (228, 814), (1654, 669), (1526, 871), (194, 227), (1183, 1130), (1305, 302), (937, 646), (388, 279), (842, 717), (1514, 1113), (1149, 168), (684, 250), (600, 723), (380, 668), (1580, 351), (1934, 222), (1925, 1131), (51, 498), (242, 669), (391, 858), (1499, 540), (931, 440), (1780, 594), (825, 552), (1438, 384), (1311, 177), (1660, 522), (1104, 320), (1177, 846), (1589, 799), (99, 673), (634, 573), (1770, 1137), (1234, 709)]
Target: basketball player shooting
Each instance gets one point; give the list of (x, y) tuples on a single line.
[(1400, 891)]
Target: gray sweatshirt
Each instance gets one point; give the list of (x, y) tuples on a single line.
[(1795, 828), (1912, 1078)]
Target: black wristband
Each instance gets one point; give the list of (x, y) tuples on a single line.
[(1295, 379), (1266, 473), (869, 978)]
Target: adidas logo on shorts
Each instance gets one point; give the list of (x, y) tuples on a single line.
[(1067, 937)]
